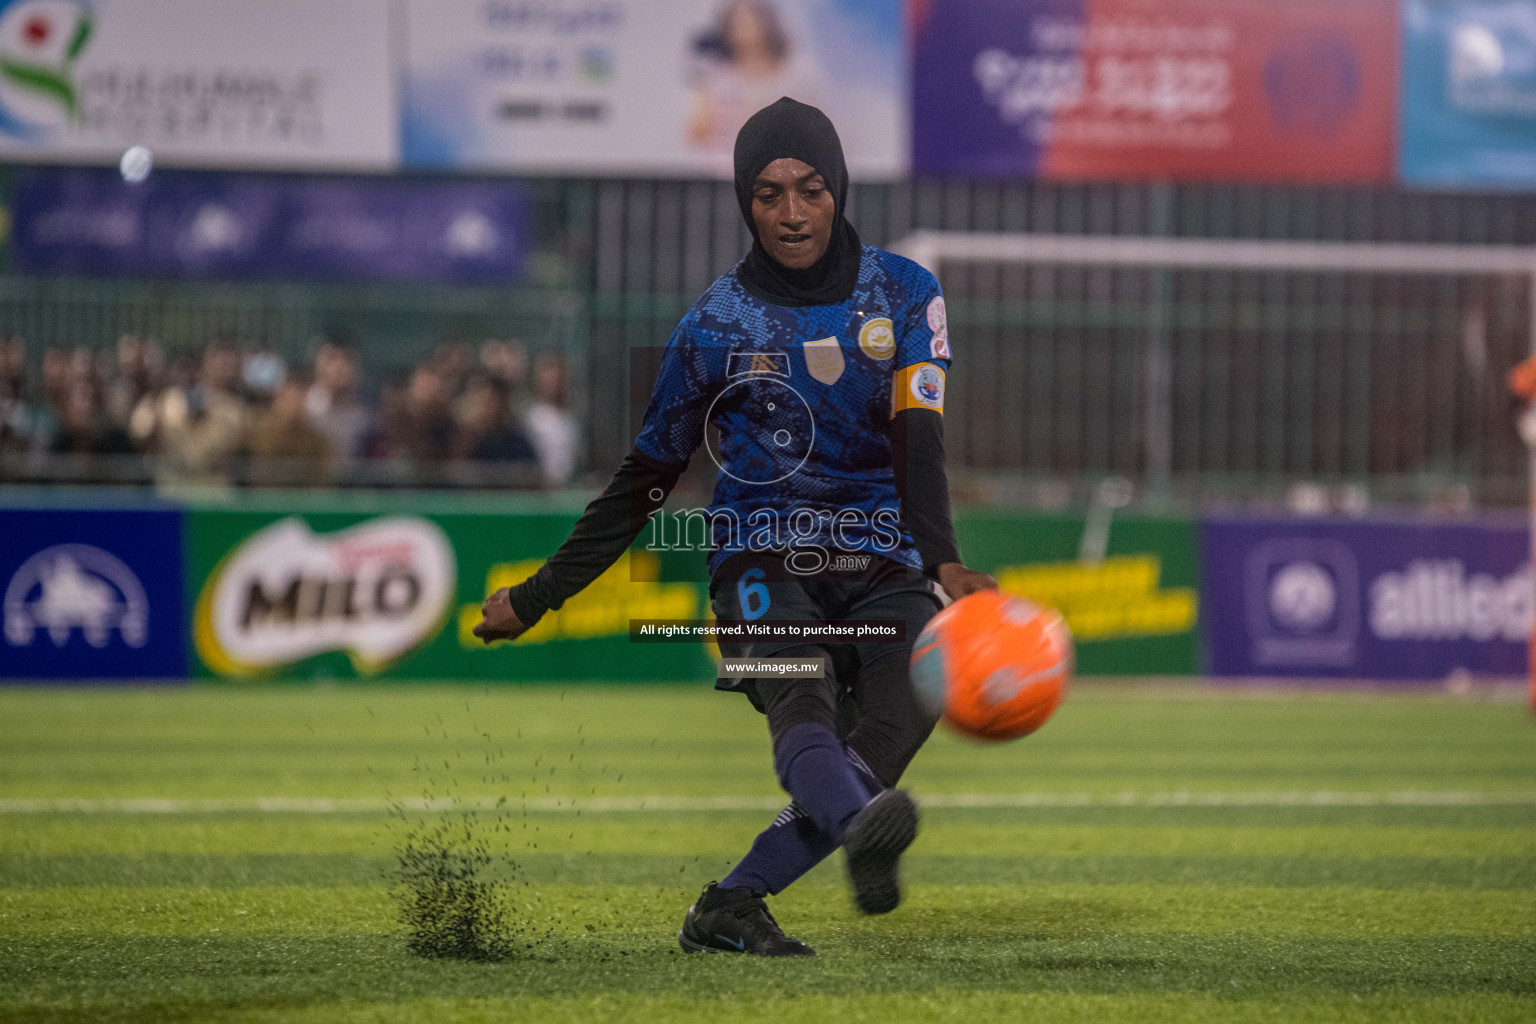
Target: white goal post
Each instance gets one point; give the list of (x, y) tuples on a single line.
[(933, 249)]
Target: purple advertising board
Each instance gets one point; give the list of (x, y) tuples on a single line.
[(244, 226), (1376, 599)]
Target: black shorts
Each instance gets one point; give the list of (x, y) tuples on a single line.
[(884, 590)]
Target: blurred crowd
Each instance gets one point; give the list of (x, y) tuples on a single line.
[(487, 414)]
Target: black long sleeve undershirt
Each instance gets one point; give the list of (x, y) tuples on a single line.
[(605, 531), (917, 456), (640, 486)]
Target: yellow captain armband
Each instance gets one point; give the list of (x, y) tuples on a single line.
[(919, 386)]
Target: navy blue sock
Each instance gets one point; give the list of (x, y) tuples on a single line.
[(814, 767), (781, 853), (793, 844)]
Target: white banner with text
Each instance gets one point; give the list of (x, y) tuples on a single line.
[(283, 84)]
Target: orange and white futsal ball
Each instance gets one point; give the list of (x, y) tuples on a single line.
[(994, 665)]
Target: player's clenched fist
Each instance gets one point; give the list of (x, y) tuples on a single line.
[(497, 619)]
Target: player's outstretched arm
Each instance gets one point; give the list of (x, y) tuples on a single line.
[(672, 431), (917, 457), (605, 531)]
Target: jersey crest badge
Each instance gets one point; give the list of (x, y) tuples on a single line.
[(824, 358), (878, 338)]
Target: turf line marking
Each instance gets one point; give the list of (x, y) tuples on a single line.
[(606, 805)]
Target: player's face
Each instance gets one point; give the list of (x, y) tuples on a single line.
[(793, 211)]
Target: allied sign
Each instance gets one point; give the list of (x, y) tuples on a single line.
[(91, 595), (640, 87), (1367, 600), (1258, 90), (1469, 93), (204, 83), (245, 226)]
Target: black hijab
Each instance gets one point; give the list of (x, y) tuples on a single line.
[(800, 132)]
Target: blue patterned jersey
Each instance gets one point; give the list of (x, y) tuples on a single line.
[(802, 399)]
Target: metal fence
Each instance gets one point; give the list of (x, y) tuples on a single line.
[(398, 326)]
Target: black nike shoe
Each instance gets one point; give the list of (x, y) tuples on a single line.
[(876, 838), (735, 921)]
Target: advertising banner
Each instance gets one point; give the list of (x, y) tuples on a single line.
[(639, 87), (206, 83), (1132, 605), (396, 594), (212, 225), (91, 594), (1257, 90), (1366, 600), (1469, 93)]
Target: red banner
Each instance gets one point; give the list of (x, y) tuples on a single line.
[(1244, 89), (1253, 90)]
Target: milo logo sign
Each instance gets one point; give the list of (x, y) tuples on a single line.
[(375, 591)]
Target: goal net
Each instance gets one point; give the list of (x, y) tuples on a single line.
[(1224, 368)]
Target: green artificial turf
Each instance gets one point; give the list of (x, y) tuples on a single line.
[(1192, 855)]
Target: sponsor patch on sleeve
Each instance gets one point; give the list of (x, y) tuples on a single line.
[(920, 386), (938, 322)]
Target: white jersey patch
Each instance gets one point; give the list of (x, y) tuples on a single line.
[(938, 320)]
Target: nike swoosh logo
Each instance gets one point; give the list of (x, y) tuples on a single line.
[(740, 944)]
